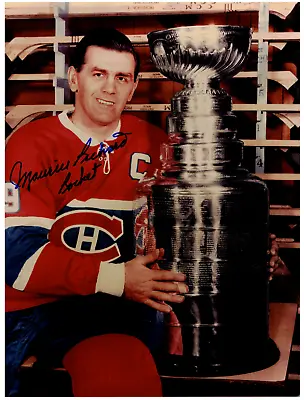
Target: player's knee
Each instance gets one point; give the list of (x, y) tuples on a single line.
[(112, 365)]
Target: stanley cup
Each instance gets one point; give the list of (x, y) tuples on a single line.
[(210, 215)]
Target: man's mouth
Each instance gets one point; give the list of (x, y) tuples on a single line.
[(105, 102)]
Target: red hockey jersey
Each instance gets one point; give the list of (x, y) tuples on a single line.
[(71, 206)]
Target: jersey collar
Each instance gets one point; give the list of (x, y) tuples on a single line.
[(67, 123)]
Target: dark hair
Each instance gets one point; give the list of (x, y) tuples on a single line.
[(108, 38)]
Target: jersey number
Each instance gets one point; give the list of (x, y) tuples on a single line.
[(12, 198)]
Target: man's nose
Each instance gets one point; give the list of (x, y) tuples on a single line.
[(109, 85)]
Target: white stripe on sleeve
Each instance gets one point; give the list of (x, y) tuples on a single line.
[(27, 269), (29, 221)]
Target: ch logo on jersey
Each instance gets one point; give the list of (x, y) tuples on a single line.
[(88, 232)]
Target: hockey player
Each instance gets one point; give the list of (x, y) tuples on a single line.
[(75, 293)]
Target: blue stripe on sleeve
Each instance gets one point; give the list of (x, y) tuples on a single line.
[(21, 242)]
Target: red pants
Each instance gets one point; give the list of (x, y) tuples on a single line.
[(112, 365)]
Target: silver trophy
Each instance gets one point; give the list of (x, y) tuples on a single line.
[(210, 215)]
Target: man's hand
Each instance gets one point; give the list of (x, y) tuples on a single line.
[(153, 287), (276, 265)]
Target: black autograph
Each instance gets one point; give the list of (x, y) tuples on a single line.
[(83, 156), (25, 179), (29, 177), (67, 186)]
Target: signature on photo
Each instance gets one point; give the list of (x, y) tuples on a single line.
[(25, 179)]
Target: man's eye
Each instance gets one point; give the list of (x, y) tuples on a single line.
[(122, 79), (97, 74)]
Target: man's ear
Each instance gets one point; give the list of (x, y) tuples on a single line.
[(72, 78), (133, 90)]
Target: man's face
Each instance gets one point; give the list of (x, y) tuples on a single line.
[(104, 85)]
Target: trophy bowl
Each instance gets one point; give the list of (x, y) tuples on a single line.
[(200, 53)]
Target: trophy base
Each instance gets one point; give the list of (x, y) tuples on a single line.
[(246, 362)]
